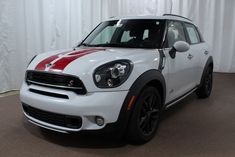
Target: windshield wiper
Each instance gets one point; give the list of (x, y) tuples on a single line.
[(109, 45)]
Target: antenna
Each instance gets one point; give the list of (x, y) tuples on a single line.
[(171, 6)]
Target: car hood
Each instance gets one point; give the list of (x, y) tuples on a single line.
[(82, 62)]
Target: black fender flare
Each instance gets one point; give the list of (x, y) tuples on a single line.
[(125, 113), (143, 80), (208, 63)]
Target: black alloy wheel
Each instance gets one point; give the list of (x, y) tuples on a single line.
[(146, 116), (208, 81), (149, 115)]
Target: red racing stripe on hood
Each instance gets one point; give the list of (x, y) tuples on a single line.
[(42, 64), (60, 65)]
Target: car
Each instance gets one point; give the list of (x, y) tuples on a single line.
[(121, 77)]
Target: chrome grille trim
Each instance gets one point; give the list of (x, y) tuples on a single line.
[(55, 80)]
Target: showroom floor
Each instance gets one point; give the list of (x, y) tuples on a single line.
[(191, 128)]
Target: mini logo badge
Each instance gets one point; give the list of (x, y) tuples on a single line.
[(49, 65), (71, 83)]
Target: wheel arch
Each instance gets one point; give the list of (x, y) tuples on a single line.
[(158, 85), (149, 78)]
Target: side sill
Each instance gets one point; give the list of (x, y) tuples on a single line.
[(173, 102)]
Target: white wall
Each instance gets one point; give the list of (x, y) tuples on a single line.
[(29, 27)]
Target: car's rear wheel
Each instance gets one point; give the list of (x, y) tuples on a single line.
[(205, 89), (145, 117)]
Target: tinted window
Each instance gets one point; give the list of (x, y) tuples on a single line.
[(192, 33), (127, 33), (175, 33), (126, 36), (104, 36)]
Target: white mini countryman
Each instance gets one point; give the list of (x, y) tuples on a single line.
[(119, 78)]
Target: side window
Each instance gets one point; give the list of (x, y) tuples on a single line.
[(192, 33), (175, 33)]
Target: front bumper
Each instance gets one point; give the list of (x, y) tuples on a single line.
[(103, 104)]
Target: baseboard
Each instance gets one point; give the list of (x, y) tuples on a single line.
[(9, 93)]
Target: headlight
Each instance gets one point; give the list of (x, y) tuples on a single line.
[(112, 74)]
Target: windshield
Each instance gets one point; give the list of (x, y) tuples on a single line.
[(127, 33)]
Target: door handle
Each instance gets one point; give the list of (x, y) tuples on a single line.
[(190, 56)]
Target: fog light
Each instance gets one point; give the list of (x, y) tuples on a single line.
[(99, 120)]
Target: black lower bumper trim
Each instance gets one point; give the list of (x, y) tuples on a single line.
[(72, 122)]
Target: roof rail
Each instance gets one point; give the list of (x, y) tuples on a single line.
[(177, 16)]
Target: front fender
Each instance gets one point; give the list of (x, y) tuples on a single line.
[(143, 80)]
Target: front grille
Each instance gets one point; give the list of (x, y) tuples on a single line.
[(53, 118), (54, 80)]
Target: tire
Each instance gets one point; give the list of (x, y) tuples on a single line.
[(206, 87), (145, 116)]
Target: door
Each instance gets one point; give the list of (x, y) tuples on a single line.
[(198, 51), (180, 78)]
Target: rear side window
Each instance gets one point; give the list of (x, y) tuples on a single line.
[(193, 34), (175, 33)]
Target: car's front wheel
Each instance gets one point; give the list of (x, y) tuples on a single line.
[(145, 117)]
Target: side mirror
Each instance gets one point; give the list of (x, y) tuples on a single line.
[(179, 46)]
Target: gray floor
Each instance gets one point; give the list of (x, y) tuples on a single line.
[(193, 127)]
